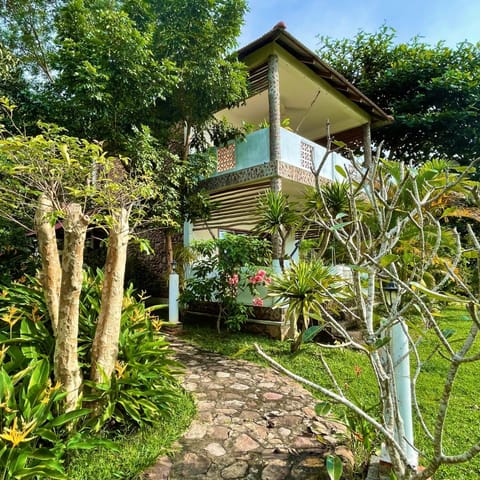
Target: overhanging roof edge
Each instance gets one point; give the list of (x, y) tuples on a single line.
[(287, 41)]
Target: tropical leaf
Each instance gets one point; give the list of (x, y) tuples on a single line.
[(334, 467)]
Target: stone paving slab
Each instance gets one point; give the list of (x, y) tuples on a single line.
[(252, 423)]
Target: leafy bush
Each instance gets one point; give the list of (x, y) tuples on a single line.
[(143, 387), (17, 252), (223, 269), (33, 437)]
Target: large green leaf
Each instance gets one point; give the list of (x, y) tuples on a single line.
[(68, 417), (311, 332), (445, 297), (334, 467)]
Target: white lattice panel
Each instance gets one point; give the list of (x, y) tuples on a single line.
[(306, 155)]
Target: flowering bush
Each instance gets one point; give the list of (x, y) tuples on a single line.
[(260, 278), (224, 271)]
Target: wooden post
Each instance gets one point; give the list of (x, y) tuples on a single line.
[(367, 144)]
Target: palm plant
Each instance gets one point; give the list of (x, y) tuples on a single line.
[(302, 290), (330, 201), (278, 219)]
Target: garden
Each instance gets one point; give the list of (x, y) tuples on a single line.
[(106, 124), (411, 263), (85, 365)]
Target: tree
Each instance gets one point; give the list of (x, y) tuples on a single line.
[(277, 217), (62, 180), (403, 207), (103, 69), (124, 65), (432, 91)]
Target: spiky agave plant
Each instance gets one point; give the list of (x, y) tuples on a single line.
[(302, 288)]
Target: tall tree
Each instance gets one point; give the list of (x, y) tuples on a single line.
[(105, 68), (124, 64), (62, 180), (433, 91)]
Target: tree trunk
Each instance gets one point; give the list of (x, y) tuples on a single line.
[(66, 367), (107, 332), (169, 250), (51, 273)]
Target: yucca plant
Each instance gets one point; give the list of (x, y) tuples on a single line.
[(302, 289), (277, 219)]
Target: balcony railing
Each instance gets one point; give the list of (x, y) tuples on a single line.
[(295, 150)]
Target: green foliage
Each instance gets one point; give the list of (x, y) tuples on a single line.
[(210, 79), (107, 69), (224, 268), (17, 252), (176, 181), (142, 388), (33, 434), (355, 371), (25, 327), (432, 91), (277, 214), (331, 200), (302, 288), (277, 219), (59, 167), (126, 63), (334, 467), (29, 443), (141, 392), (134, 453)]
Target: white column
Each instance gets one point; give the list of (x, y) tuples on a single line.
[(401, 365), (173, 293), (400, 353)]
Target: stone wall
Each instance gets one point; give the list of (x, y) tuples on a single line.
[(149, 273)]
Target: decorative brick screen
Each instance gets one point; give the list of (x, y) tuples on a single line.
[(226, 158), (306, 155)]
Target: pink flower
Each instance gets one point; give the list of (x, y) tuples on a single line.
[(232, 280), (257, 302), (268, 280), (261, 273)]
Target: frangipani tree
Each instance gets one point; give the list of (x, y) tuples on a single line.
[(405, 205), (67, 182)]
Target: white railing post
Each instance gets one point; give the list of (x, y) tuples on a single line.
[(173, 293)]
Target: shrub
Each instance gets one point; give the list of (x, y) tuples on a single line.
[(143, 386), (225, 267), (33, 436)]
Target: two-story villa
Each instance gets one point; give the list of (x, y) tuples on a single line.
[(287, 81)]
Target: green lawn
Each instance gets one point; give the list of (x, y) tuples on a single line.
[(354, 371)]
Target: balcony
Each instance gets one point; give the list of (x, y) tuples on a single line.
[(295, 151)]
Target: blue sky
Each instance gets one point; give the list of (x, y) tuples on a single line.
[(450, 20)]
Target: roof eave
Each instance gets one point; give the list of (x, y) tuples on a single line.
[(280, 36)]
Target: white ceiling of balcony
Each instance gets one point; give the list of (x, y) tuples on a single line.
[(308, 102)]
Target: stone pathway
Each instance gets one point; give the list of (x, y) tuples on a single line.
[(252, 423)]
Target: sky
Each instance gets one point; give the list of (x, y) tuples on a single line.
[(452, 21)]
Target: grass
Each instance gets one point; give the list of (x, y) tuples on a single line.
[(354, 372), (134, 453)]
